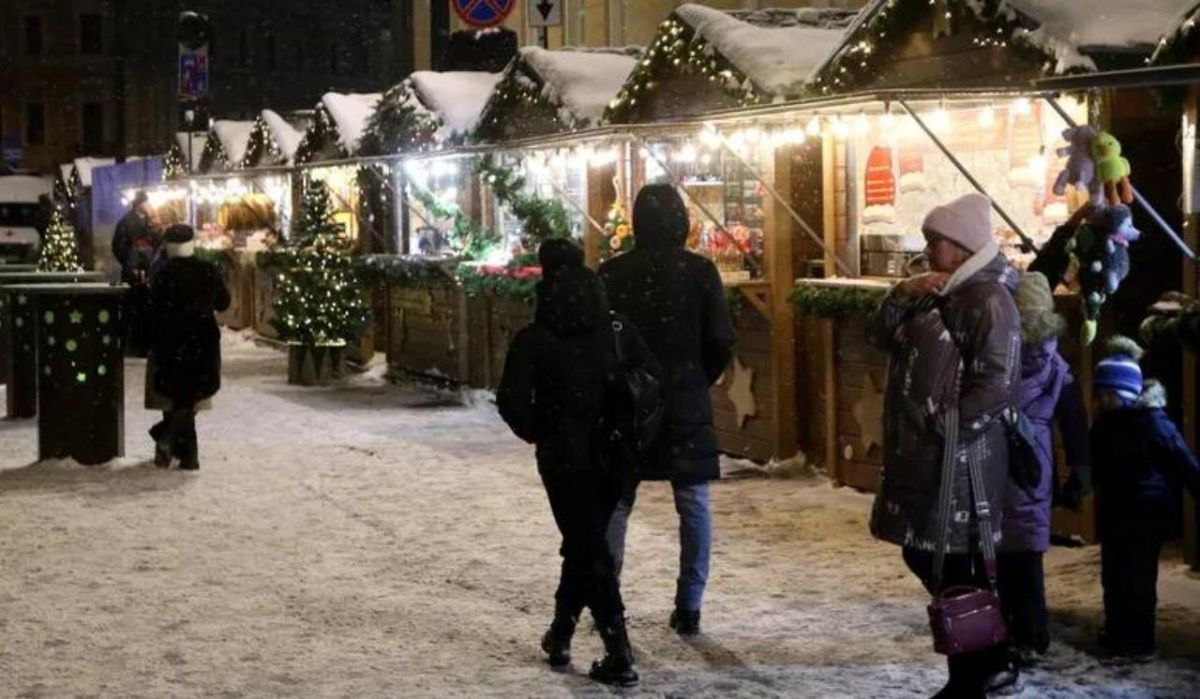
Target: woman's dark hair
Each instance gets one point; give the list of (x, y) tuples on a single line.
[(557, 254)]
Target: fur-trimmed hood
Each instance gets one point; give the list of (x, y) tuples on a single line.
[(1154, 395)]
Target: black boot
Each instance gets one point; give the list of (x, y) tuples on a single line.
[(162, 454), (685, 622), (616, 667), (556, 642)]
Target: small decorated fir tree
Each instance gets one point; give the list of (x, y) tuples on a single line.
[(59, 252), (319, 301)]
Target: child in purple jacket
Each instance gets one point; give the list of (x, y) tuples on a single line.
[(1141, 461), (1048, 393)]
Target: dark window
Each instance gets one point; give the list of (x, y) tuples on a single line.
[(272, 51), (35, 123), (91, 34), (335, 67), (93, 127), (33, 35), (243, 57)]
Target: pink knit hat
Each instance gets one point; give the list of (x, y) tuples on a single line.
[(966, 221)]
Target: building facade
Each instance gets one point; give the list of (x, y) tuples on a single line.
[(592, 22), (99, 77)]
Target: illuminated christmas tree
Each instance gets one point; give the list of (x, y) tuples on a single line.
[(59, 252), (319, 299)]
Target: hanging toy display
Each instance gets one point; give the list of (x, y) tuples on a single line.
[(1111, 169), (1100, 251), (1080, 170)]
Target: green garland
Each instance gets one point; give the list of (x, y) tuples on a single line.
[(678, 50), (406, 271), (175, 164), (262, 146), (513, 281), (517, 89), (398, 126), (835, 302), (322, 131), (471, 239), (543, 219)]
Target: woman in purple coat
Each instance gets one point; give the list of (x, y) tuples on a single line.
[(1048, 393)]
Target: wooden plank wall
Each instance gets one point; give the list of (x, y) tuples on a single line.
[(424, 337), (753, 440), (860, 369)]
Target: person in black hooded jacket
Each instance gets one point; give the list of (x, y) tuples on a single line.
[(677, 300), (556, 384)]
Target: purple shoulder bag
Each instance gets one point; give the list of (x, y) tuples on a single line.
[(964, 619)]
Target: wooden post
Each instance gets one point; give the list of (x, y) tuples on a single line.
[(779, 265), (832, 460), (601, 195), (829, 172)]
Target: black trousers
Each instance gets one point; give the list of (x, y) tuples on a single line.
[(970, 671), (1129, 573), (178, 430), (583, 504), (1023, 598)]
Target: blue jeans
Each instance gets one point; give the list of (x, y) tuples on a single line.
[(695, 539)]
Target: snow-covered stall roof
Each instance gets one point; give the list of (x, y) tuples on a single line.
[(84, 167), (23, 188), (457, 97), (778, 50), (1177, 36), (583, 81), (349, 113), (199, 141), (233, 136), (286, 134)]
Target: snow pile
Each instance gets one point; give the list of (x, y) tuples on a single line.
[(23, 188), (779, 60), (84, 167), (458, 97), (350, 113), (234, 137), (199, 140), (286, 136), (1103, 23), (583, 81)]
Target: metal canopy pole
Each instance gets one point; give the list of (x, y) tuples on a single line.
[(787, 205), (1166, 227), (699, 205), (1025, 239)]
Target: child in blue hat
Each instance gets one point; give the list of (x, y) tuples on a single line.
[(1140, 461)]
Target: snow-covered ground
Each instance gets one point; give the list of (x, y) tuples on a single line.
[(374, 540)]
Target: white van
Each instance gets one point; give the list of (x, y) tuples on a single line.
[(19, 237)]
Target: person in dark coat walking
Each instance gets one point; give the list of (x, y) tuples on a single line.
[(185, 293), (953, 340), (135, 246), (677, 300), (1141, 462), (557, 381), (1048, 393)]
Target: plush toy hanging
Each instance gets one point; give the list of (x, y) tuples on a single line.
[(1111, 169), (1100, 250), (1080, 170)]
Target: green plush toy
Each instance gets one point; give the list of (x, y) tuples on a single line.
[(1112, 170)]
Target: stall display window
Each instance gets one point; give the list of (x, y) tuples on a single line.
[(428, 233), (234, 215), (550, 177), (900, 175), (718, 187)]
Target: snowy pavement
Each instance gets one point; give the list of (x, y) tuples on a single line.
[(374, 540)]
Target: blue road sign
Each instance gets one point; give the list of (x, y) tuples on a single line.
[(483, 13)]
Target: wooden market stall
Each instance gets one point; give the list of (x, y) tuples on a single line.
[(749, 183), (954, 87), (225, 146)]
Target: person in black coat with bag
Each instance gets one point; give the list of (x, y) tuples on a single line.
[(185, 293), (559, 376), (677, 300)]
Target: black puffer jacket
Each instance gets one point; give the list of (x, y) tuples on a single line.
[(964, 347), (186, 342), (558, 368), (676, 299)]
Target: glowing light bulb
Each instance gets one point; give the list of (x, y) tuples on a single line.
[(987, 117), (1022, 106), (814, 126), (863, 125)]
